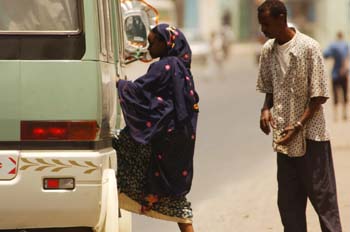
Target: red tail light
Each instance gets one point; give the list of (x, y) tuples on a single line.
[(59, 130), (59, 183)]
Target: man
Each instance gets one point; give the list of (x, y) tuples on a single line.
[(339, 51), (291, 74)]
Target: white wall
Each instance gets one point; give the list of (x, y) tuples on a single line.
[(332, 16), (209, 16)]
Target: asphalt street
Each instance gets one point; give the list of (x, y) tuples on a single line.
[(235, 187)]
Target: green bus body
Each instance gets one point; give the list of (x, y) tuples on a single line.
[(58, 89), (54, 89)]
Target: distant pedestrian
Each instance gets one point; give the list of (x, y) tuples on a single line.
[(291, 74), (339, 52), (227, 33), (261, 40), (216, 57), (217, 47)]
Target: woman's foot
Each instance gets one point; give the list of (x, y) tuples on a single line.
[(185, 227)]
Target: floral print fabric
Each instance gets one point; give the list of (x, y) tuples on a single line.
[(133, 162)]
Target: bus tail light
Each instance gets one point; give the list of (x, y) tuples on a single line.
[(59, 183), (59, 130)]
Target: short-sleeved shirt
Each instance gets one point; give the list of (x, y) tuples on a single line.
[(304, 79)]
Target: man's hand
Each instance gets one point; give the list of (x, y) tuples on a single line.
[(290, 131), (266, 121), (287, 134)]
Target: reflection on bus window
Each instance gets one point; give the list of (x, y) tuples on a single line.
[(39, 15), (135, 30)]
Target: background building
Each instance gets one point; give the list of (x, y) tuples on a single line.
[(331, 17), (321, 19)]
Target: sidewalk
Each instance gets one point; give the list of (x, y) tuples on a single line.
[(251, 205), (340, 139)]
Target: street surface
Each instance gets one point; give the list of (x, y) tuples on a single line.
[(234, 187)]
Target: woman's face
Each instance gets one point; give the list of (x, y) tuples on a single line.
[(157, 47)]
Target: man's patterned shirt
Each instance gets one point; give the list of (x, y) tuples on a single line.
[(305, 78)]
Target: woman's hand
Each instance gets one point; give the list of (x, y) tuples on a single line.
[(116, 82), (266, 121)]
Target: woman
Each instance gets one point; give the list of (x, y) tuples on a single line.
[(155, 149)]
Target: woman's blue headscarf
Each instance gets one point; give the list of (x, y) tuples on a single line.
[(176, 43)]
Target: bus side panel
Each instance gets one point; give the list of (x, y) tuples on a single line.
[(91, 29), (109, 99), (35, 207), (9, 100), (60, 90)]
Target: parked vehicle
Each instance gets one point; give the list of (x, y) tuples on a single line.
[(59, 63)]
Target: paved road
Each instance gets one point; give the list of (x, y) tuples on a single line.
[(234, 188)]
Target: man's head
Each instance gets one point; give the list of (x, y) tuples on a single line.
[(340, 35), (272, 15)]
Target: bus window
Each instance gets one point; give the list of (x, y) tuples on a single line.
[(39, 17), (41, 30)]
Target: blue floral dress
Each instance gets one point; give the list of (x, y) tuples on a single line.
[(155, 150)]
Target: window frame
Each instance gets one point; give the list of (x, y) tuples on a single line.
[(106, 32)]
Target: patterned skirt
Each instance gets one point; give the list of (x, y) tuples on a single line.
[(133, 162)]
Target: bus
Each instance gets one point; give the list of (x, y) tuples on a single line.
[(59, 63)]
